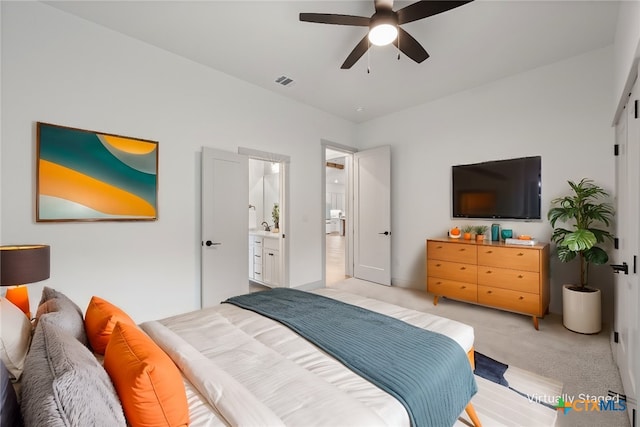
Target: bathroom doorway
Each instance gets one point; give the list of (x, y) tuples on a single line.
[(268, 219), (337, 215)]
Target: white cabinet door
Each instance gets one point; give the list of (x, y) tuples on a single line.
[(271, 261)]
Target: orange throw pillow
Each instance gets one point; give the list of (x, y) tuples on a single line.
[(100, 319), (148, 383)]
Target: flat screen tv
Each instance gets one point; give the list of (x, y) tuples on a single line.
[(507, 189)]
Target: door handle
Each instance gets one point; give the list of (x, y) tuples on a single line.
[(617, 268), (386, 233), (210, 243)]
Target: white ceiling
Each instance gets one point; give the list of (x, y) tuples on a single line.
[(259, 41)]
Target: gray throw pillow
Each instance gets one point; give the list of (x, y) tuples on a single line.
[(64, 313), (48, 293), (64, 385)]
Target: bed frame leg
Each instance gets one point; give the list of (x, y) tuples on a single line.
[(471, 411), (435, 300)]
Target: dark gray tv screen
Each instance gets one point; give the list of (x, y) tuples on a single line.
[(509, 189)]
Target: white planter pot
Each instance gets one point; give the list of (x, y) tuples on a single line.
[(581, 311)]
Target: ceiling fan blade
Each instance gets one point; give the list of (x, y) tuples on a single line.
[(330, 18), (383, 5), (426, 8), (410, 46), (357, 52)]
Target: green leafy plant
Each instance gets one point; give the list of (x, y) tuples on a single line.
[(467, 229), (480, 229), (275, 214), (584, 211)]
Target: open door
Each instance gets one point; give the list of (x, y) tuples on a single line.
[(372, 215), (627, 287), (225, 247)]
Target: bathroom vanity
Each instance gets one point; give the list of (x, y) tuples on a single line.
[(264, 257)]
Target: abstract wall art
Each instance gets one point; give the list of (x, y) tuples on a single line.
[(85, 175)]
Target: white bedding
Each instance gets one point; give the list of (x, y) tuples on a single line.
[(245, 369)]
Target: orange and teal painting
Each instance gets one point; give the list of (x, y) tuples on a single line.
[(91, 176)]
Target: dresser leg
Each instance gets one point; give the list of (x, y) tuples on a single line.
[(535, 322), (435, 300), (471, 411)]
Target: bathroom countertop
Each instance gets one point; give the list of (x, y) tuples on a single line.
[(264, 234)]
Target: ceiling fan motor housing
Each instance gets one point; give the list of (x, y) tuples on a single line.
[(383, 27)]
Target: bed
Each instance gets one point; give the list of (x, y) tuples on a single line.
[(233, 365)]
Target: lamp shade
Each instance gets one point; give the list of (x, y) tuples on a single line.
[(21, 264)]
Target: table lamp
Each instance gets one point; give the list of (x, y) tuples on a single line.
[(19, 265)]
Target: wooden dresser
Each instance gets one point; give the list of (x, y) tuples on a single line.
[(509, 277)]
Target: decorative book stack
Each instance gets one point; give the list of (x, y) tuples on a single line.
[(521, 242)]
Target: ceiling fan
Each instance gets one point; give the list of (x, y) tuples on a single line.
[(384, 26)]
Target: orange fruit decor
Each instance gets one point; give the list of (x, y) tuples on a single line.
[(455, 232)]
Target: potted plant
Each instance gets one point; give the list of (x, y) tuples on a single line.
[(275, 214), (480, 230), (585, 213), (466, 231)]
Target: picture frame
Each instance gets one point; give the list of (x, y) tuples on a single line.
[(85, 175)]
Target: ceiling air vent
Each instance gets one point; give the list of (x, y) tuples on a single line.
[(285, 81)]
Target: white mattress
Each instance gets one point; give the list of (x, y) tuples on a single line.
[(279, 374)]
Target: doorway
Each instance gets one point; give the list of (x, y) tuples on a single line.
[(267, 229), (367, 215), (337, 212)]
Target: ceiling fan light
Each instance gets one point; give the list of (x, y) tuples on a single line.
[(383, 34)]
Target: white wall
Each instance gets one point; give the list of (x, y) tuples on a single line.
[(561, 112), (60, 69)]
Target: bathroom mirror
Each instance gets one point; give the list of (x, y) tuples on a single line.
[(264, 191)]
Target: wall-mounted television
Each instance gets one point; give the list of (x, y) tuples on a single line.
[(509, 189)]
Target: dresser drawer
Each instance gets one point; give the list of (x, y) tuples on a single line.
[(452, 270), (456, 252), (522, 302), (517, 280), (515, 258), (452, 289)]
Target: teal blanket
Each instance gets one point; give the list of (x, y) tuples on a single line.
[(427, 372)]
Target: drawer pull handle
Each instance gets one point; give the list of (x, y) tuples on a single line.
[(438, 265), (489, 292), (489, 271), (520, 254), (489, 252), (438, 283), (521, 298), (463, 268), (520, 276), (462, 250), (463, 287), (438, 247)]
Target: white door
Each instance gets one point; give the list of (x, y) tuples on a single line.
[(225, 250), (372, 214), (627, 286)]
